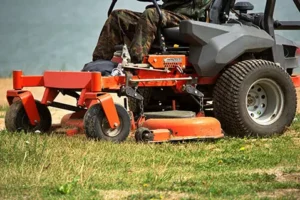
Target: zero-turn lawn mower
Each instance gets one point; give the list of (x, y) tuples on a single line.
[(229, 72)]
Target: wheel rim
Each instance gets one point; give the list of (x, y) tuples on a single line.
[(108, 131), (264, 101)]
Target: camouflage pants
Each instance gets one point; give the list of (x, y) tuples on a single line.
[(136, 30)]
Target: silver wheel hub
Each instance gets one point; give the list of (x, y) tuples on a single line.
[(111, 132), (265, 101)]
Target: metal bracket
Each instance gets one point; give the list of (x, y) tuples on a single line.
[(193, 91), (130, 92), (125, 56)]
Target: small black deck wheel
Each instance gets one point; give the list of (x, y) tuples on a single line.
[(16, 119), (143, 135), (96, 125)]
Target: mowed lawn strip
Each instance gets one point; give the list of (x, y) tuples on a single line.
[(36, 166)]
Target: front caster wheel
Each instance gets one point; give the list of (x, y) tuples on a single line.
[(96, 125), (16, 119)]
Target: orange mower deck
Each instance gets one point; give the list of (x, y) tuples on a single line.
[(182, 129)]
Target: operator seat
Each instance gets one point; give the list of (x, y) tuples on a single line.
[(217, 15)]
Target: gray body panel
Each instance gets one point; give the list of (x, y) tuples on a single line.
[(213, 46), (287, 61), (280, 40)]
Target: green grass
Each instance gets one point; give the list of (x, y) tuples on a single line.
[(59, 167), (3, 109)]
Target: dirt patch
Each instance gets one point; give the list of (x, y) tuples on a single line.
[(282, 193), (286, 193), (121, 194), (2, 125), (293, 177)]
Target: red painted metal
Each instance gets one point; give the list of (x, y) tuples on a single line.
[(161, 135), (90, 102), (200, 114), (113, 82), (173, 105), (49, 95), (93, 81), (96, 85), (110, 110), (199, 127), (12, 95), (159, 61), (73, 120), (132, 122), (20, 81), (71, 132), (82, 97), (17, 80), (67, 80), (296, 80), (28, 102), (140, 121), (33, 81)]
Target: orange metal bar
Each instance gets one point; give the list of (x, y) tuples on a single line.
[(20, 81), (109, 110), (296, 80), (67, 80), (140, 121), (173, 104), (113, 82), (82, 98), (132, 122), (92, 81), (96, 85), (49, 95), (17, 80), (88, 99), (33, 81)]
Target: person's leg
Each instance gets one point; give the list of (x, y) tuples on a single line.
[(146, 31), (118, 29)]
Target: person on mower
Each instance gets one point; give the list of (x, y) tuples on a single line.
[(138, 30)]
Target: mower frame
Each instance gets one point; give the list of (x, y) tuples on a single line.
[(95, 88)]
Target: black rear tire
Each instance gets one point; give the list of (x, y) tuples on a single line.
[(96, 125), (236, 107), (16, 119)]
